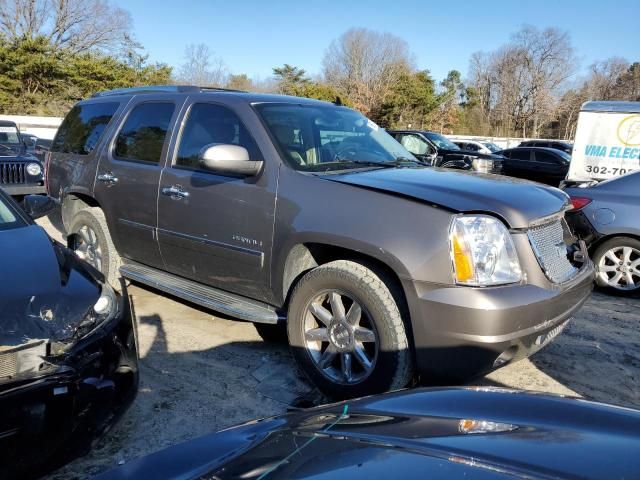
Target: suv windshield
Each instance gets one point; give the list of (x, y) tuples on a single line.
[(9, 139), (441, 141), (324, 138), (8, 216), (491, 146)]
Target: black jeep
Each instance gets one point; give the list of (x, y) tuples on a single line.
[(20, 172)]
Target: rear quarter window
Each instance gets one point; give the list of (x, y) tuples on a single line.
[(83, 127)]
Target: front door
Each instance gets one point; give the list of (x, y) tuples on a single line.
[(213, 228), (128, 176)]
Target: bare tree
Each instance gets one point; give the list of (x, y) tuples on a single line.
[(520, 83), (76, 25), (201, 67), (365, 64)]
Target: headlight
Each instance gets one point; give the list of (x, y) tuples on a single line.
[(34, 169), (107, 305), (482, 252), (482, 165)]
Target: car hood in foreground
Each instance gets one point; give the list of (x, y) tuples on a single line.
[(44, 289), (518, 202), (413, 434)]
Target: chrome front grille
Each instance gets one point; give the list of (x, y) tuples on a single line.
[(8, 364), (550, 248), (12, 173)]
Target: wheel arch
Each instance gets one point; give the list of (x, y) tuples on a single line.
[(71, 203), (303, 257), (605, 238)]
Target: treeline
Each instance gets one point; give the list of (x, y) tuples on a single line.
[(36, 78), (54, 52)]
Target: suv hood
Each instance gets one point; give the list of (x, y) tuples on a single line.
[(518, 202)]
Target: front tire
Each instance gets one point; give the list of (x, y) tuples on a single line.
[(347, 333), (617, 263), (92, 243)]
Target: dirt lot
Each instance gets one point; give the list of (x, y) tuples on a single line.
[(200, 373)]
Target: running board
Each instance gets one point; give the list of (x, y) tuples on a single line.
[(208, 297)]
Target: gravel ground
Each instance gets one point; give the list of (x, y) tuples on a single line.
[(201, 373)]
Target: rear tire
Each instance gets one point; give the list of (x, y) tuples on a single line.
[(92, 242), (617, 263), (347, 333)]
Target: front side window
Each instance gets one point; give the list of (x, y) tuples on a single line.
[(414, 144), (520, 155), (325, 138), (82, 128), (210, 124), (544, 157), (10, 141), (142, 135)]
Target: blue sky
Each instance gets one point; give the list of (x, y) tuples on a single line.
[(253, 36)]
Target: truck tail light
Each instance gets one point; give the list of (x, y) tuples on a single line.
[(580, 202)]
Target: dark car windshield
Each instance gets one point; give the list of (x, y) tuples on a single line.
[(9, 218), (564, 155), (324, 138), (9, 139), (491, 146), (441, 141)]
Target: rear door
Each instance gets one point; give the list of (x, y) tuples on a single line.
[(218, 229), (129, 173)]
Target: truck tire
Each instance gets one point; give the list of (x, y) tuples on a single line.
[(347, 333), (92, 243), (617, 263)]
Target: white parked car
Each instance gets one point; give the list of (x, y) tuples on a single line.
[(477, 146)]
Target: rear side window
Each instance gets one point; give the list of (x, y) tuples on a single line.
[(208, 124), (142, 135), (82, 128)]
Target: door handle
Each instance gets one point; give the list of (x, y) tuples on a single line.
[(175, 191), (107, 178)]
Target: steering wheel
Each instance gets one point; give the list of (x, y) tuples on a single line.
[(347, 152)]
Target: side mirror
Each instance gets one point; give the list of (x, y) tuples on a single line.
[(37, 206), (229, 159)]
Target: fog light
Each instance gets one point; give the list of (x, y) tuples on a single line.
[(505, 357)]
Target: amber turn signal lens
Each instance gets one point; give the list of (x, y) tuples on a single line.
[(462, 260)]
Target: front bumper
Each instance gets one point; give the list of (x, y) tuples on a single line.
[(23, 189), (462, 332), (47, 420)]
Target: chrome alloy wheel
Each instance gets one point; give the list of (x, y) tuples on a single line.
[(87, 247), (619, 268), (340, 337)]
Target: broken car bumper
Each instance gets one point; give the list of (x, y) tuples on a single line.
[(46, 419)]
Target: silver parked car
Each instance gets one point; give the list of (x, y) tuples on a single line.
[(607, 217)]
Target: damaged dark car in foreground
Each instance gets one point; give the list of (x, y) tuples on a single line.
[(68, 353), (482, 433)]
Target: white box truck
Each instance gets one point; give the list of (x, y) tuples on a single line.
[(607, 142)]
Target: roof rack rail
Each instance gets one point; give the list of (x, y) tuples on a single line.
[(162, 89)]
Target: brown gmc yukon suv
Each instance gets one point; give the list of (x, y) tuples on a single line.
[(303, 215)]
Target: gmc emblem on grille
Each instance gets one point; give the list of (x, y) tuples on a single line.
[(561, 248)]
